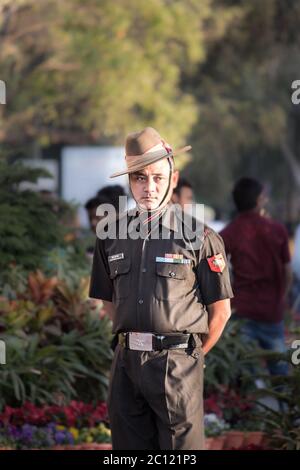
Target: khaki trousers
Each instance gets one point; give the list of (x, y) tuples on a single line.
[(155, 399)]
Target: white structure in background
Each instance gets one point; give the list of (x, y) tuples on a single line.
[(48, 184), (209, 214), (85, 170)]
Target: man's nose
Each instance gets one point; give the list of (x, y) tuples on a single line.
[(150, 185)]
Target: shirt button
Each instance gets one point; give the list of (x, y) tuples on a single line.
[(141, 301), (116, 271), (144, 270), (171, 273)]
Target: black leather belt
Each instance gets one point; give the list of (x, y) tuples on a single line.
[(154, 342)]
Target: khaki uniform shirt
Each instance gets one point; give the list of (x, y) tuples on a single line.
[(151, 291)]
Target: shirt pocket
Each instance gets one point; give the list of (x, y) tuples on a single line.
[(171, 281), (120, 271)]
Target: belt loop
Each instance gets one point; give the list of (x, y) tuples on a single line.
[(158, 340), (192, 343)]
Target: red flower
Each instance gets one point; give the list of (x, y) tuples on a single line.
[(75, 414)]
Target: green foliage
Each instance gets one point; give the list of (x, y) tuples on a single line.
[(247, 122), (230, 363), (29, 225), (68, 366), (282, 424), (94, 70), (219, 72), (58, 347)]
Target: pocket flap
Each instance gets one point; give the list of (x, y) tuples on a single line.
[(120, 266), (173, 271)]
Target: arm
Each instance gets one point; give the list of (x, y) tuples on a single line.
[(288, 278), (215, 287), (109, 309), (101, 286), (286, 261), (218, 315)]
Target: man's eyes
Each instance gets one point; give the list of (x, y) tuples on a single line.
[(144, 178)]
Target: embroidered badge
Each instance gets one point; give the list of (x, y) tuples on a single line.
[(115, 257), (216, 263)]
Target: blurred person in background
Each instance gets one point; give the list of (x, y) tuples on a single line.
[(106, 195), (258, 248), (183, 193), (112, 193), (91, 208)]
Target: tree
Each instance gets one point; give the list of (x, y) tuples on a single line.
[(30, 224), (88, 72), (248, 124)]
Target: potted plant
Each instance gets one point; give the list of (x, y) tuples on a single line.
[(214, 429)]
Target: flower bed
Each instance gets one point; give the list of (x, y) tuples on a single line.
[(238, 440), (77, 425), (231, 422)]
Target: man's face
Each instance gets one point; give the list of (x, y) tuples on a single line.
[(262, 202), (185, 196), (149, 186)]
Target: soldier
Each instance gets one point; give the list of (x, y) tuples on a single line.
[(168, 298)]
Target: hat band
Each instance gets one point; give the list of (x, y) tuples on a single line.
[(160, 150)]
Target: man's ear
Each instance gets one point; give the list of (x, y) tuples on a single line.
[(175, 178), (261, 201)]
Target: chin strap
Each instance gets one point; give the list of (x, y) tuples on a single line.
[(150, 215)]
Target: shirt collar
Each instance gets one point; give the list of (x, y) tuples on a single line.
[(170, 218)]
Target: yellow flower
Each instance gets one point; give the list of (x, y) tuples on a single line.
[(74, 432), (89, 439), (60, 428)]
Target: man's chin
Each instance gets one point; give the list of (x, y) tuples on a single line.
[(149, 205)]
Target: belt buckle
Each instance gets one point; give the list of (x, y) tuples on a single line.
[(140, 341)]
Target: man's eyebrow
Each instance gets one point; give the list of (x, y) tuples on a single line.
[(139, 173)]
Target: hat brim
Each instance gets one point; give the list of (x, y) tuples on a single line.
[(155, 158)]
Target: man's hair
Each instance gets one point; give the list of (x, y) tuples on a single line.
[(94, 202), (182, 183), (112, 193), (245, 193)]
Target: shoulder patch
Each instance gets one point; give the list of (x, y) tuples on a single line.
[(216, 263)]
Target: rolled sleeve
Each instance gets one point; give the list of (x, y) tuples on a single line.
[(101, 286), (213, 285)]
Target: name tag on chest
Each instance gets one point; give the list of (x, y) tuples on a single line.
[(115, 257)]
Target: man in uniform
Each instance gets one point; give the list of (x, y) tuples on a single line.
[(168, 298)]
